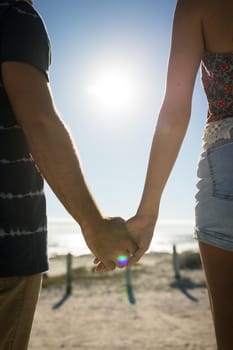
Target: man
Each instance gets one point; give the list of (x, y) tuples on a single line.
[(34, 141)]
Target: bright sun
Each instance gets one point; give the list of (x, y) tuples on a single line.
[(113, 89)]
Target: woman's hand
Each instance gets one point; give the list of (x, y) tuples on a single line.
[(141, 229)]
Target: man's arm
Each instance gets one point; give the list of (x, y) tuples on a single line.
[(55, 155)]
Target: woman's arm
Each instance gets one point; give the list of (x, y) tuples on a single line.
[(185, 57)]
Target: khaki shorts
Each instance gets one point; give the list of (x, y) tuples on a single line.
[(18, 299)]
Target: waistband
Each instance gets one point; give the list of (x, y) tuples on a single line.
[(216, 132)]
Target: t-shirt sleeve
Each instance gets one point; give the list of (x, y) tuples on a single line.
[(24, 37)]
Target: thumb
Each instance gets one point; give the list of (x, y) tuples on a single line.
[(100, 268), (136, 256)]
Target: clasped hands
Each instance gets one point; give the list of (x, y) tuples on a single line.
[(119, 243)]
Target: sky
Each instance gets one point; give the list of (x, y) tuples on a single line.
[(108, 74)]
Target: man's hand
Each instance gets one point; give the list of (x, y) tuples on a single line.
[(109, 241)]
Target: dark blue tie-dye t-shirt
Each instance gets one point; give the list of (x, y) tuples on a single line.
[(23, 228)]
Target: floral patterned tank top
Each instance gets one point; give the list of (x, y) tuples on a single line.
[(217, 79)]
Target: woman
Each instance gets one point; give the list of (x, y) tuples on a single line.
[(202, 34)]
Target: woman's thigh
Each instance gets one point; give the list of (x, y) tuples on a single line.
[(218, 267)]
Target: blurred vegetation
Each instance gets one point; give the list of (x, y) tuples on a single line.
[(189, 260)]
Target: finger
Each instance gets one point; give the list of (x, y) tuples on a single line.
[(105, 266), (136, 257), (100, 267), (132, 247), (96, 260), (118, 219)]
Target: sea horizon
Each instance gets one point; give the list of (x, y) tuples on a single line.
[(64, 236)]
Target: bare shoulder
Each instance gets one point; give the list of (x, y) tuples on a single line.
[(217, 24), (191, 7), (188, 16), (188, 13), (210, 8)]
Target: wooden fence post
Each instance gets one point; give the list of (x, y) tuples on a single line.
[(69, 276), (176, 265)]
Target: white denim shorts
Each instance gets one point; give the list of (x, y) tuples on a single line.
[(214, 198)]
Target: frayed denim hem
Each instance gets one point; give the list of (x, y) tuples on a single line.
[(216, 239)]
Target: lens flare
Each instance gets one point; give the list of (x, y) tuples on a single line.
[(122, 260)]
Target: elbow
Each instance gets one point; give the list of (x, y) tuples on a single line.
[(174, 115), (38, 123)]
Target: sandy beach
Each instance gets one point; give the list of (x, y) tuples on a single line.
[(168, 313)]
